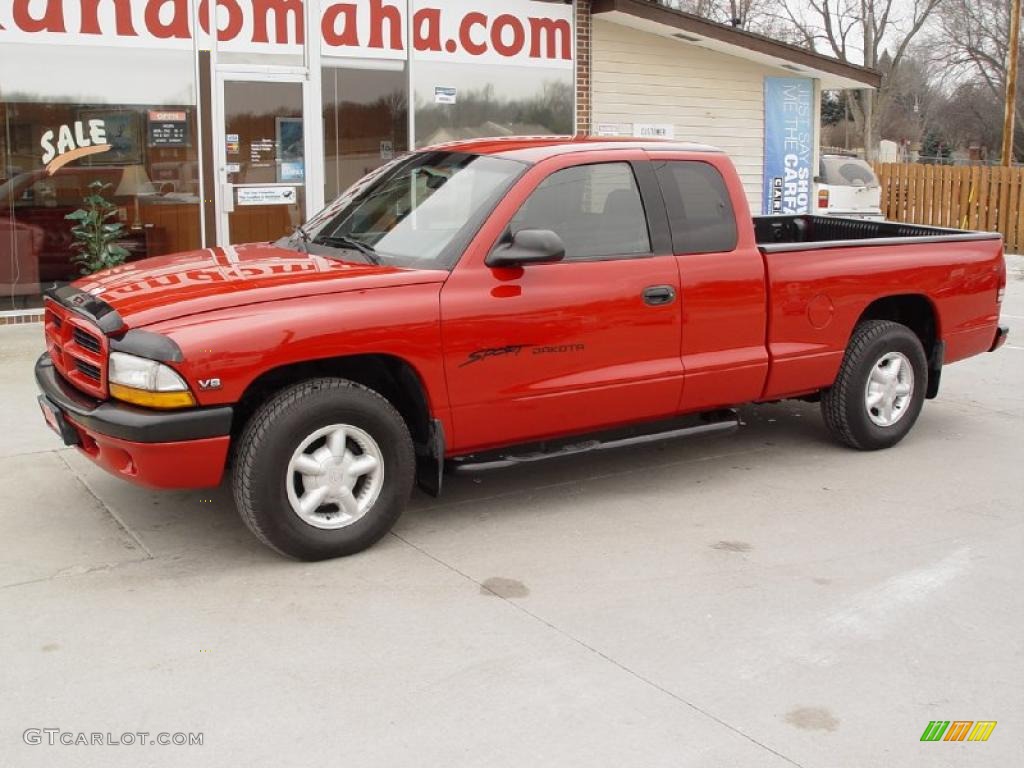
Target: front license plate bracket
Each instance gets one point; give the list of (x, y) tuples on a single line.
[(55, 418)]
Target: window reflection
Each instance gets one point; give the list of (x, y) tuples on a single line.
[(138, 128), (366, 121), (455, 101)]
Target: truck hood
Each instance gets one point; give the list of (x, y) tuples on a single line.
[(169, 287)]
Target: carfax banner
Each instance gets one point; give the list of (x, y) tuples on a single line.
[(788, 145)]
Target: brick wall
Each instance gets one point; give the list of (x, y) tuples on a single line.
[(583, 66)]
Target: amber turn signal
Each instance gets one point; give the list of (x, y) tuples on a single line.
[(162, 400)]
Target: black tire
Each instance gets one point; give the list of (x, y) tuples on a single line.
[(844, 406), (275, 432)]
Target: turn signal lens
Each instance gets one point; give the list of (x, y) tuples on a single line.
[(823, 198), (162, 400)]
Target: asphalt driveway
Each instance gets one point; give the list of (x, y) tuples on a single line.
[(761, 599)]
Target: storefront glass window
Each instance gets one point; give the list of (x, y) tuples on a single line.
[(455, 101), (366, 120), (80, 115)]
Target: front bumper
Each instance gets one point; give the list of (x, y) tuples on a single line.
[(175, 449), (1001, 333)]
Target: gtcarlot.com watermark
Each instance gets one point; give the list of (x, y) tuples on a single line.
[(57, 736)]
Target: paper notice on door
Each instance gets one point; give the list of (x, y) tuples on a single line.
[(266, 195)]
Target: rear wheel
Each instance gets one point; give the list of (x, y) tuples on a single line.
[(324, 469), (880, 389)]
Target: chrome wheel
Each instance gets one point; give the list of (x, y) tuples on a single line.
[(335, 476), (890, 389)]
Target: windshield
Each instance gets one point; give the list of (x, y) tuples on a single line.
[(419, 211)]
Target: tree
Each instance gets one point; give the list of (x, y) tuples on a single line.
[(860, 32), (907, 113), (971, 40), (752, 15)]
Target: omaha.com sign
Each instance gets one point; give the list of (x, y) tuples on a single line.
[(788, 142)]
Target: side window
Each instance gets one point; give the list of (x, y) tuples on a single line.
[(699, 209), (595, 209)]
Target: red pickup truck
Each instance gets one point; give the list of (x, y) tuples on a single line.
[(493, 302)]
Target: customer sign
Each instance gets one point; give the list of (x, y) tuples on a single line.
[(788, 145)]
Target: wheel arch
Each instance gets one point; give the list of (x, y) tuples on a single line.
[(914, 310), (918, 313), (393, 377)]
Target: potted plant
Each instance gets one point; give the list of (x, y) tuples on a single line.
[(96, 247)]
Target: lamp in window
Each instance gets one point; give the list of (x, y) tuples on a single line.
[(134, 182)]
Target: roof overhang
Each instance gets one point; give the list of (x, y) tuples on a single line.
[(694, 30)]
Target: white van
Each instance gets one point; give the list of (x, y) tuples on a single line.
[(848, 187)]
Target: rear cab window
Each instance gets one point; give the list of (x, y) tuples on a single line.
[(700, 211)]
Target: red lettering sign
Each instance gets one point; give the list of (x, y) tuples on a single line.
[(525, 32)]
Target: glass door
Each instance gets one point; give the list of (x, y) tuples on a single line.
[(261, 157)]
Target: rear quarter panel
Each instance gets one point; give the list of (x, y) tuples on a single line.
[(817, 296)]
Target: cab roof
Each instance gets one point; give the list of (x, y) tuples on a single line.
[(533, 149)]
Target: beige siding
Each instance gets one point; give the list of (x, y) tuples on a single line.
[(709, 97)]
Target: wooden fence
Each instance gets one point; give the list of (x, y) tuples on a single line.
[(959, 196)]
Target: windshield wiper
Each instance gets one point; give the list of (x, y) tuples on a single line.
[(350, 242), (303, 236)]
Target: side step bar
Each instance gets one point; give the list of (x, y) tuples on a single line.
[(683, 426)]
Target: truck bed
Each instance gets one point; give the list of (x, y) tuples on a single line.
[(809, 232)]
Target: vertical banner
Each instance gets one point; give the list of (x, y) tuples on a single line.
[(788, 145)]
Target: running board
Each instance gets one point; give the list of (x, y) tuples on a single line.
[(685, 426)]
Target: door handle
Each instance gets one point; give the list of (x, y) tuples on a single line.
[(659, 295)]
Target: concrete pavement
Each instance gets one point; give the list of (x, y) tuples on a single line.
[(761, 599)]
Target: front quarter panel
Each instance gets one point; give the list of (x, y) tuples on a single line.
[(238, 345)]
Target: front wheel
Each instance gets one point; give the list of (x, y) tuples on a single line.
[(880, 389), (324, 469)]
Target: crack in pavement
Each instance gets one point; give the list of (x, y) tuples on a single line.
[(75, 571), (597, 652), (117, 519)]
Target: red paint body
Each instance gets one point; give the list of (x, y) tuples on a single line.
[(186, 464), (747, 326)]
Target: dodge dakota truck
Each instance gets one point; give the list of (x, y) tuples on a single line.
[(494, 302)]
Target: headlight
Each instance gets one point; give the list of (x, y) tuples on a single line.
[(146, 382)]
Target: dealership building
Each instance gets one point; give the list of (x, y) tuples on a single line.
[(210, 139)]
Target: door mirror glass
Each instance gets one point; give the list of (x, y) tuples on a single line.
[(528, 246)]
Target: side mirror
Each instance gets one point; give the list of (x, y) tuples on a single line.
[(528, 246)]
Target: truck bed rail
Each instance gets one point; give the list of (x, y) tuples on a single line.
[(808, 232)]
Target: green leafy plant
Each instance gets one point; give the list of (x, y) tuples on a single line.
[(96, 237)]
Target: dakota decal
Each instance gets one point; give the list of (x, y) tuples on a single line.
[(514, 350)]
